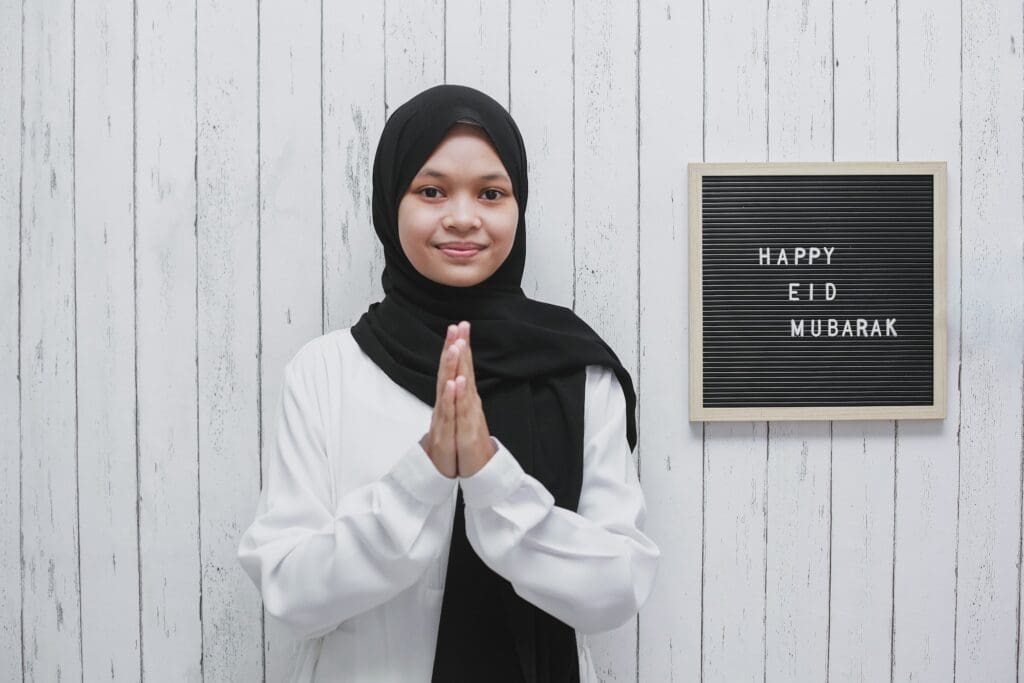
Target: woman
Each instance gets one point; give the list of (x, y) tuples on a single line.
[(487, 547)]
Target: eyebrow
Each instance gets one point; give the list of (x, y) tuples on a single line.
[(489, 176)]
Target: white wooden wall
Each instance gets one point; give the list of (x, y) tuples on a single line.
[(185, 200)]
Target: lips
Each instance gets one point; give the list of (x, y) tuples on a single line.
[(461, 246), (460, 250)]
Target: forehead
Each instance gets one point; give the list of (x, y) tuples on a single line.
[(466, 147)]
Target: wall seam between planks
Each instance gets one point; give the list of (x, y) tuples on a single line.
[(74, 325), (21, 454), (195, 248), (639, 306)]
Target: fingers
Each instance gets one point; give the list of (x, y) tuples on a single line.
[(466, 358), (468, 362), (461, 404), (448, 412), (445, 366)]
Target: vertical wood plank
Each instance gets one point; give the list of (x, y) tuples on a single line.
[(671, 447), (927, 452), (353, 113), (541, 100), (989, 534), (104, 211), (50, 591), (10, 318), (606, 219), (169, 542), (863, 452), (228, 320), (476, 46), (735, 454), (290, 255), (799, 453), (414, 50)]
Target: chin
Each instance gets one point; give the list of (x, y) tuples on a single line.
[(463, 281)]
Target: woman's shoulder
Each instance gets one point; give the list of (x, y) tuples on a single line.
[(603, 390), (327, 354)]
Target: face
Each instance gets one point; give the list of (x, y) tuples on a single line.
[(457, 220)]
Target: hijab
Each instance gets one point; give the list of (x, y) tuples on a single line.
[(529, 360)]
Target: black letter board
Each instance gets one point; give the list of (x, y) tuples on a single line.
[(817, 291)]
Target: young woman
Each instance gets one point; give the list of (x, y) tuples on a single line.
[(489, 546)]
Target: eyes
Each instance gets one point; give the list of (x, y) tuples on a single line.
[(498, 192)]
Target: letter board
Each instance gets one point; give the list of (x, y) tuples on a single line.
[(817, 291)]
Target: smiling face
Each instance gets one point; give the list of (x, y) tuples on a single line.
[(457, 220)]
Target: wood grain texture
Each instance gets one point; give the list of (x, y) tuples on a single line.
[(989, 525), (10, 372), (927, 453), (105, 237), (165, 246), (50, 589), (291, 285), (227, 331), (353, 116), (541, 73), (671, 127)]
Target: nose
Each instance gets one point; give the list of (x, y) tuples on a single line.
[(463, 214)]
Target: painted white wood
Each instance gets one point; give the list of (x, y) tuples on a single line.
[(863, 451), (992, 260), (51, 637), (414, 57), (733, 613), (169, 543), (670, 446), (228, 330), (353, 111), (10, 311), (799, 453), (927, 453), (105, 333), (290, 222), (735, 453), (541, 73), (606, 219), (476, 46)]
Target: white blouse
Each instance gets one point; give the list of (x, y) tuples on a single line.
[(349, 545)]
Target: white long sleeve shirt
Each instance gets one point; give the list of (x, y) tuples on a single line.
[(349, 545)]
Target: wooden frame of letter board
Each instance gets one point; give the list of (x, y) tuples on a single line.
[(882, 412)]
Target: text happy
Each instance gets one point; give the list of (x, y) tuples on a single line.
[(795, 256)]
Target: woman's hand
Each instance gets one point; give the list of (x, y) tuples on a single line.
[(439, 442), (472, 438)]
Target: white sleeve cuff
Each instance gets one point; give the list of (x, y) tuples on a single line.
[(416, 472), (496, 480)]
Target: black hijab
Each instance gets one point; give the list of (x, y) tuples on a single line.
[(529, 360)]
